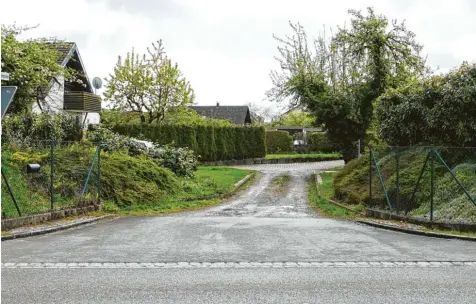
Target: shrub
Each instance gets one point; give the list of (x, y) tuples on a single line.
[(441, 110), (125, 180), (278, 142), (28, 126), (181, 161), (319, 142)]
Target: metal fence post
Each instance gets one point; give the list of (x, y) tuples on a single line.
[(99, 173), (432, 181), (52, 187), (370, 176), (398, 182), (11, 193)]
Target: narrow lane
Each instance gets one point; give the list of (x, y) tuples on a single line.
[(264, 246)]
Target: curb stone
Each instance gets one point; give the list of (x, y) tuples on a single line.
[(225, 264), (55, 228), (422, 233)]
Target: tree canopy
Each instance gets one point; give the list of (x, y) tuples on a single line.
[(149, 84), (340, 80), (32, 65)]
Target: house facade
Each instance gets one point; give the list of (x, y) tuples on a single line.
[(75, 97)]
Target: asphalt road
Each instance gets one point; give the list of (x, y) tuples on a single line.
[(264, 246)]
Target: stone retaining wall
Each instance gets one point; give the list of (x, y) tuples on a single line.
[(11, 223), (259, 161), (461, 227)]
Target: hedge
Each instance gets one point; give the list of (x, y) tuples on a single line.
[(278, 142), (318, 142), (212, 143)]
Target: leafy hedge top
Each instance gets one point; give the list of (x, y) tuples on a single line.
[(211, 143), (278, 142), (441, 110)]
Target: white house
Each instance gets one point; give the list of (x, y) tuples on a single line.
[(72, 96)]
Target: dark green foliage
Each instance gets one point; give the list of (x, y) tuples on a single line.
[(319, 142), (278, 142), (212, 148), (239, 143), (202, 142), (29, 126), (188, 138), (260, 137), (182, 161), (126, 179), (211, 143), (221, 143), (230, 144), (439, 111)]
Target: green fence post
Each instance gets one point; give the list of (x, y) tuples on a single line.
[(380, 177), (398, 182), (11, 193), (455, 178), (370, 176), (99, 173), (432, 181), (52, 172)]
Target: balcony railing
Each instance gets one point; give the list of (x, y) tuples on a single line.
[(82, 102)]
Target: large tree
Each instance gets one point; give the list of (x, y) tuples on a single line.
[(33, 67), (149, 84), (341, 79)]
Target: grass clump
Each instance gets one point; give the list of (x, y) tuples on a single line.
[(319, 198)]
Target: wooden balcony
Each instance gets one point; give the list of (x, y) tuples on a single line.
[(82, 102)]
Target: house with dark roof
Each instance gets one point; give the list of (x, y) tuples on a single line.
[(237, 115), (75, 96)]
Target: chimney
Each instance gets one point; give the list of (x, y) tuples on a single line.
[(218, 103)]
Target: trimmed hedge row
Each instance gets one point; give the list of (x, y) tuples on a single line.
[(278, 142), (212, 143), (318, 142)]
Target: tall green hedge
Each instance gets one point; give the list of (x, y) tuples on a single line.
[(212, 143), (318, 142), (278, 142)]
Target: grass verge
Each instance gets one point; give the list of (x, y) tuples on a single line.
[(322, 156), (207, 181), (319, 198)]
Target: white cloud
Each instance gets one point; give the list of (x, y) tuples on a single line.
[(225, 48)]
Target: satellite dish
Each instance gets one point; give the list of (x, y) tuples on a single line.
[(97, 83)]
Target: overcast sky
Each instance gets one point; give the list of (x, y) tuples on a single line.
[(225, 48)]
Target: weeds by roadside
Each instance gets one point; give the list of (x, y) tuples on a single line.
[(319, 198)]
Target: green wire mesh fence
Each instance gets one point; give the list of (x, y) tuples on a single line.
[(69, 176), (435, 183)]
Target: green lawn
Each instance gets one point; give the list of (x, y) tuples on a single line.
[(207, 181), (322, 156), (318, 198), (211, 180)]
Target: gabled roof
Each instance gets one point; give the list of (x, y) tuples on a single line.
[(238, 115), (69, 56)]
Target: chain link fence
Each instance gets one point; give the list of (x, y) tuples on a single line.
[(436, 183), (68, 176)]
